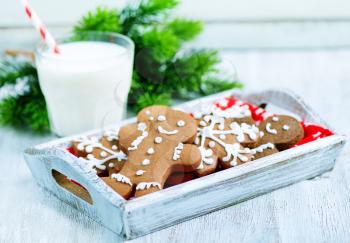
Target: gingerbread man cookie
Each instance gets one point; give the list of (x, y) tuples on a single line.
[(223, 140), (158, 145), (281, 130), (101, 154)]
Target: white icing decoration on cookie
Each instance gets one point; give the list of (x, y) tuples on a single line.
[(180, 123), (147, 185), (206, 157), (150, 151), (141, 127), (89, 144), (269, 129), (262, 147), (140, 172), (262, 134), (121, 178), (151, 118), (216, 136), (103, 154), (275, 119), (203, 123), (196, 141), (177, 151), (114, 147), (211, 144), (158, 140), (148, 112), (146, 162), (162, 130), (197, 115), (285, 127), (111, 135), (235, 151), (111, 165), (161, 118), (222, 136)]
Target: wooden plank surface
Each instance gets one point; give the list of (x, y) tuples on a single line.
[(311, 211)]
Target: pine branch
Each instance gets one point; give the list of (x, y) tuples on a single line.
[(101, 19), (148, 12), (184, 29)]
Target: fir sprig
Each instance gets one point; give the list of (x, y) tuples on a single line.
[(24, 109)]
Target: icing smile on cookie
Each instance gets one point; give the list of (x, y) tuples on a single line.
[(162, 130)]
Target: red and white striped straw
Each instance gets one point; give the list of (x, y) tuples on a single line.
[(40, 27)]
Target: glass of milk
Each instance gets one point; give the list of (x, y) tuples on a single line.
[(86, 86)]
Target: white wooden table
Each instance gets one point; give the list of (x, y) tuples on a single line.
[(312, 211)]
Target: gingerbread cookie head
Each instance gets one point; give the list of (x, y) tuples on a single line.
[(281, 130), (156, 146), (220, 140), (100, 154)]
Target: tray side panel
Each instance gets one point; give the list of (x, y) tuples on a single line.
[(103, 211), (144, 220)]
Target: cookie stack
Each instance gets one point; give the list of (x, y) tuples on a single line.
[(168, 146)]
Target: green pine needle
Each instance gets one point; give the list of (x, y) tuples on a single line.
[(185, 29), (102, 19)]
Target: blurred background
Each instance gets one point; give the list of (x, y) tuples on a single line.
[(302, 45)]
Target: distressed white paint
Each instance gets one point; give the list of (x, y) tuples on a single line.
[(321, 78)]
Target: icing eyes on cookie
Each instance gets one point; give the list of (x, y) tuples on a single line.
[(181, 123), (285, 127), (161, 118)]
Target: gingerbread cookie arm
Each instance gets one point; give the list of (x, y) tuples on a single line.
[(187, 156), (127, 135)]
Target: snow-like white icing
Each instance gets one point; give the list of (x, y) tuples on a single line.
[(121, 178), (211, 144), (285, 127), (148, 113), (146, 162), (140, 172), (275, 119), (269, 129), (111, 165), (262, 147), (206, 157), (162, 130), (147, 185), (161, 118), (141, 127), (114, 147), (89, 144), (158, 140), (217, 136), (203, 123), (150, 151), (111, 135), (181, 123), (222, 136), (235, 152), (177, 151)]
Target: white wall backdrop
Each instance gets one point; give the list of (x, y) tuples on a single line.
[(230, 24)]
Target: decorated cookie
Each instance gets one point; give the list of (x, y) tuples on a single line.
[(281, 130), (102, 155), (158, 145), (221, 140), (264, 150)]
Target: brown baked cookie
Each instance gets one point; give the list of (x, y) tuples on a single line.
[(220, 140), (264, 150), (102, 155), (178, 178), (281, 130), (156, 146)]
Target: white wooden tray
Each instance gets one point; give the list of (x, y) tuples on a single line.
[(51, 163)]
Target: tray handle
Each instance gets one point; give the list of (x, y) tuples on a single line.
[(62, 174)]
